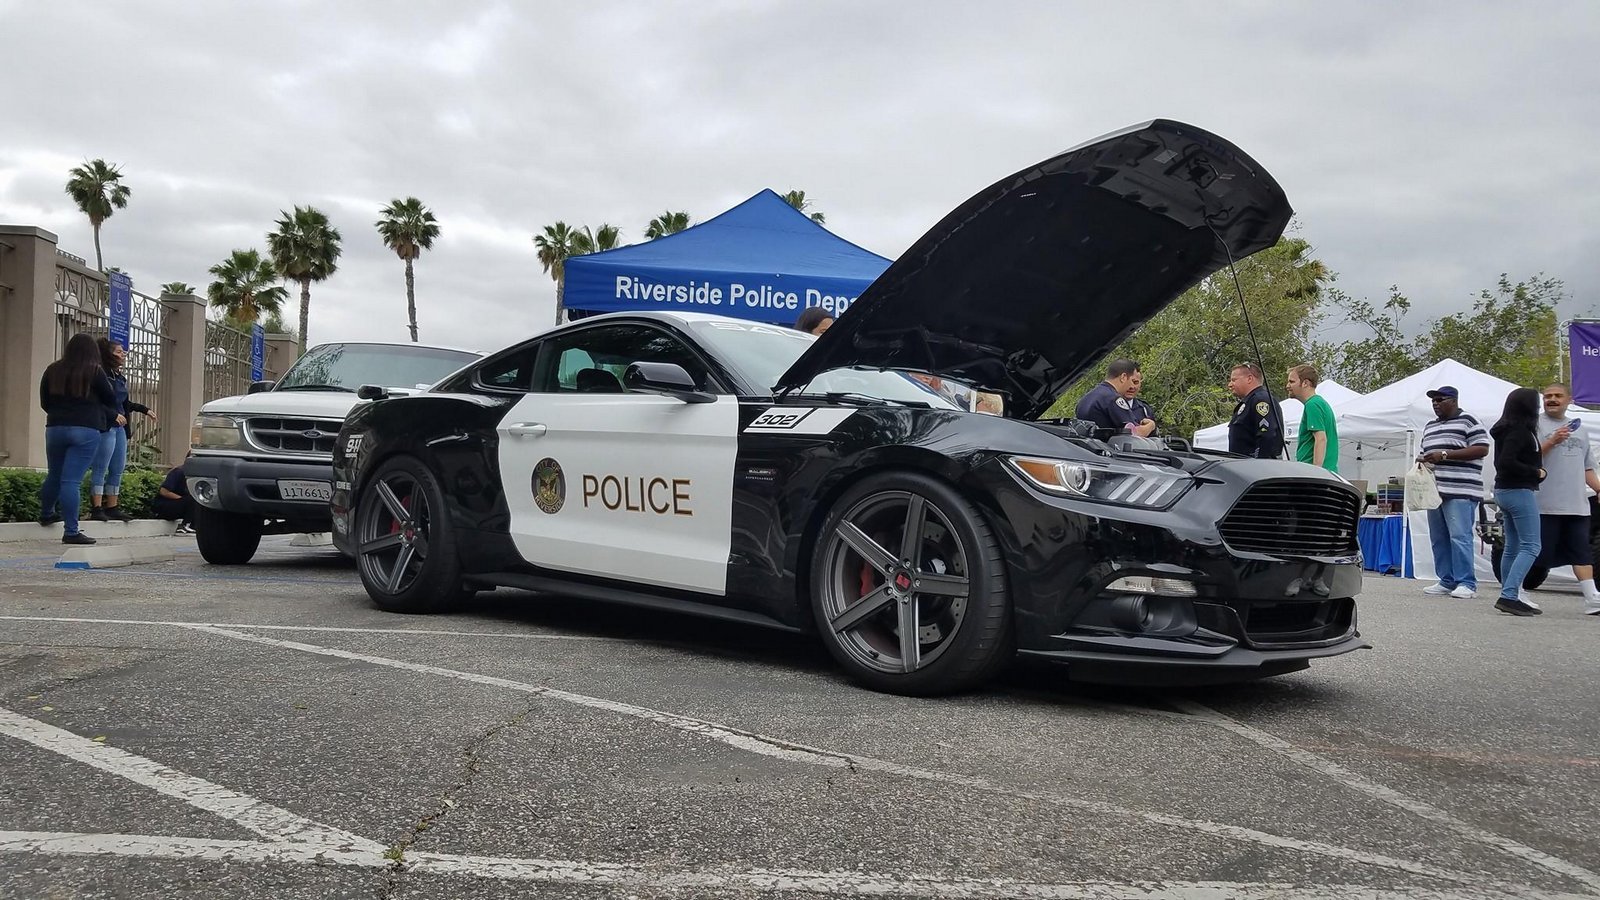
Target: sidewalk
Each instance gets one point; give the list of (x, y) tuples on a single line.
[(11, 532)]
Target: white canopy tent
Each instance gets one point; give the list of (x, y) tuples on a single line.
[(1337, 395)]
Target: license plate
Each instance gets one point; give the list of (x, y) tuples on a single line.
[(305, 490)]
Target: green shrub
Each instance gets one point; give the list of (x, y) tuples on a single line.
[(19, 493)]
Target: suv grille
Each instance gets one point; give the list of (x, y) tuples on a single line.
[(1293, 518), (314, 436)]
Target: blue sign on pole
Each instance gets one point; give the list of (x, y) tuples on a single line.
[(121, 310), (258, 351)]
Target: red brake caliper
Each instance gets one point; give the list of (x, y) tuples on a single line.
[(394, 527)]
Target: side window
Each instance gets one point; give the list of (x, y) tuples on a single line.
[(593, 360), (511, 372)]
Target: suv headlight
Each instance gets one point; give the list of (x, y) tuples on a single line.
[(1126, 484), (214, 432)]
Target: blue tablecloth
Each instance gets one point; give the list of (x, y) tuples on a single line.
[(1383, 543)]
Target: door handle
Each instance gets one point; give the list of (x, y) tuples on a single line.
[(527, 429)]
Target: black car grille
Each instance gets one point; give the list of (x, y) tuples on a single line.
[(1292, 518), (312, 436)]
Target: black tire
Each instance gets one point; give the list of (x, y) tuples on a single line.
[(402, 523), (224, 538), (1532, 580), (952, 592)]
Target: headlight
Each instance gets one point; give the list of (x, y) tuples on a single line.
[(1127, 484), (213, 432)]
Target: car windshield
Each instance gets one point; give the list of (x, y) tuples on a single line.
[(764, 352), (345, 367)]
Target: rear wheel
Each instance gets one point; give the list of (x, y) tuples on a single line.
[(224, 538), (908, 588), (405, 543)]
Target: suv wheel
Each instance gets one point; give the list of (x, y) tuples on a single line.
[(224, 538)]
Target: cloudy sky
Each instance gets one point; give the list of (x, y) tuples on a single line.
[(1429, 145)]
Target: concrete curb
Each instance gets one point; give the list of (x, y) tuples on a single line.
[(98, 557), (14, 532)]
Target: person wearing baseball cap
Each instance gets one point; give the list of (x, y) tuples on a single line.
[(1454, 443)]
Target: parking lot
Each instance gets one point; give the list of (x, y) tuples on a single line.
[(180, 730)]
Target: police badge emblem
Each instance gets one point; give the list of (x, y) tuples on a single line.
[(1261, 408), (549, 486)]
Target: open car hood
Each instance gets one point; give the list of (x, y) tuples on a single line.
[(1027, 285)]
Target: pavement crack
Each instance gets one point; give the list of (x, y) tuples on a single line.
[(471, 763)]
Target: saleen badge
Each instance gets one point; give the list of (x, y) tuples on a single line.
[(549, 486)]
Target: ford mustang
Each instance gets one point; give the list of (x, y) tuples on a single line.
[(890, 485)]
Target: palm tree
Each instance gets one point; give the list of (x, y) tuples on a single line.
[(177, 287), (305, 248), (667, 223), (797, 199), (586, 241), (554, 246), (245, 287), (408, 228), (97, 188)]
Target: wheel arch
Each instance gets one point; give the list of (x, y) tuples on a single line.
[(897, 458)]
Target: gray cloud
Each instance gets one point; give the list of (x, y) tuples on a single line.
[(1430, 145)]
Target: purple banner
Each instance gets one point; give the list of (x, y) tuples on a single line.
[(1583, 339)]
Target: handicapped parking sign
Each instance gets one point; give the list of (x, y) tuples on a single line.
[(121, 307)]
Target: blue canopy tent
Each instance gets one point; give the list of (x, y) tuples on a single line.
[(762, 260)]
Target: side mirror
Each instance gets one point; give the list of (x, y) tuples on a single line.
[(257, 387), (669, 379), (372, 392)]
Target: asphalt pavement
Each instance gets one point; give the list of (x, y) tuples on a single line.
[(183, 730)]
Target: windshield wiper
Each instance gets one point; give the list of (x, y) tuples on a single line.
[(869, 400), (317, 387)]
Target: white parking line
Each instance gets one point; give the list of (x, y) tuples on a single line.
[(793, 752), (543, 636), (1389, 795), (696, 882), (247, 812)]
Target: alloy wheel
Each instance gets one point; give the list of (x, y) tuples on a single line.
[(393, 537), (896, 582)]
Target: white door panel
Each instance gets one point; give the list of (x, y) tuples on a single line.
[(630, 486)]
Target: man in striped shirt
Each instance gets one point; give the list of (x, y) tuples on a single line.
[(1455, 444)]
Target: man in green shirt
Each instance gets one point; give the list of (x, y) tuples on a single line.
[(1319, 436)]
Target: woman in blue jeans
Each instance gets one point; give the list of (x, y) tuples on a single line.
[(1517, 473), (105, 474), (74, 393)]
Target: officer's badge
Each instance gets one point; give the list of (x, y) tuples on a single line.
[(1261, 408), (1125, 403)]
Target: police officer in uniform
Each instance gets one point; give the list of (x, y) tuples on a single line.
[(1114, 405), (1256, 429)]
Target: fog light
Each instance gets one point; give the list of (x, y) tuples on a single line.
[(204, 491), (1145, 584)]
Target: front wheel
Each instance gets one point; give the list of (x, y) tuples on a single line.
[(908, 587), (405, 543), (224, 538)]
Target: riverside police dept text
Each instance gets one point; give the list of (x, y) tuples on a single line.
[(737, 295)]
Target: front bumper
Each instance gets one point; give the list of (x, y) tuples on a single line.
[(1210, 612), (250, 487)]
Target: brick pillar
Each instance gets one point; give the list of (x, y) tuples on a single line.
[(27, 339), (282, 351), (182, 372)]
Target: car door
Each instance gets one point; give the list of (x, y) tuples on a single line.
[(633, 486)]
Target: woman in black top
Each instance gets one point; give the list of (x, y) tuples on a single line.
[(1517, 473), (74, 393), (105, 473)]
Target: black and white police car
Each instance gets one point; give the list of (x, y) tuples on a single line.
[(888, 485)]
